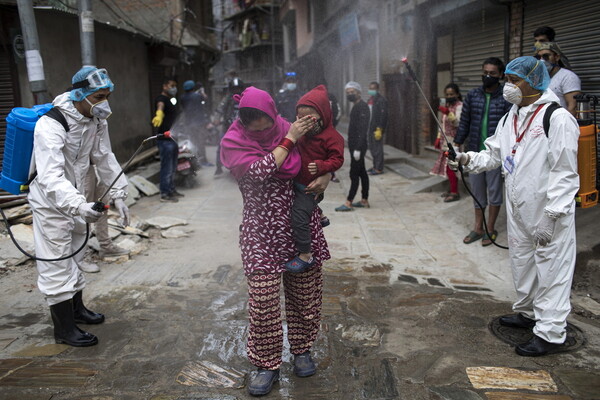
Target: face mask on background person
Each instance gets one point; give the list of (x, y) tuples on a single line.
[(291, 86), (549, 65), (318, 128), (512, 93), (372, 92), (489, 81), (172, 91), (351, 97), (100, 110), (451, 100)]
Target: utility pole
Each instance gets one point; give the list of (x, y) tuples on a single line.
[(86, 33), (35, 66)]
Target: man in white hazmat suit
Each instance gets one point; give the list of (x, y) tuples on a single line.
[(58, 199), (541, 180)]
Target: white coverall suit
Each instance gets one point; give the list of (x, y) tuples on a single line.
[(62, 161), (544, 180)]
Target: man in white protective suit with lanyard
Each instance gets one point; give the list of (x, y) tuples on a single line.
[(541, 180), (58, 199)]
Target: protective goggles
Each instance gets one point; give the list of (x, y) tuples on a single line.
[(96, 80)]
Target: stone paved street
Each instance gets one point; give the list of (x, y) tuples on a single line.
[(406, 311)]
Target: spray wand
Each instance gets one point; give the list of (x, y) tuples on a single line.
[(451, 153), (99, 206)]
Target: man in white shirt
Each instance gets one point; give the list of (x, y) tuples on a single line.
[(563, 81)]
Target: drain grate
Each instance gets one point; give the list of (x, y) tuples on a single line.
[(515, 336)]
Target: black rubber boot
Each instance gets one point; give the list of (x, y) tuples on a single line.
[(65, 329), (82, 314), (517, 321)]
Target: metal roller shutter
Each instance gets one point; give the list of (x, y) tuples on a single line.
[(577, 32), (7, 99), (473, 42)]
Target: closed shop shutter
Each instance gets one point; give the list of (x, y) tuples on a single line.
[(577, 32), (473, 42), (7, 98), (365, 61)]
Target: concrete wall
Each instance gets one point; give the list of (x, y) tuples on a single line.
[(122, 54)]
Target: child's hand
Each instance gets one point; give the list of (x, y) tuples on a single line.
[(312, 168)]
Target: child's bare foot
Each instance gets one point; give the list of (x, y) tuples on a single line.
[(305, 256)]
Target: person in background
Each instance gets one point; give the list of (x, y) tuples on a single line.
[(57, 197), (357, 144), (563, 82), (195, 115), (543, 34), (450, 119), (379, 116), (94, 188), (260, 151), (287, 98), (167, 147), (482, 109), (226, 114), (540, 168)]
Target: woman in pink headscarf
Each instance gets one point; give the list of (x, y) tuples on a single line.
[(259, 150)]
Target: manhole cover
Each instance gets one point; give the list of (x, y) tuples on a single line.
[(515, 336)]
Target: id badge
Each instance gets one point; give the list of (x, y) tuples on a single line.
[(509, 164)]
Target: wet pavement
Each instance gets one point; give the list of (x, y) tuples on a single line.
[(408, 312)]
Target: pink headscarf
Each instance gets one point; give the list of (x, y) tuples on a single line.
[(240, 148)]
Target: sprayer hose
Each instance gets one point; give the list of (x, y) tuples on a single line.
[(462, 177), (87, 234)]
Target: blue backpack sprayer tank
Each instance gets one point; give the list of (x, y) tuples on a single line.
[(18, 167)]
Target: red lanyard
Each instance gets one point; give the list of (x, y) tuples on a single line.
[(519, 137)]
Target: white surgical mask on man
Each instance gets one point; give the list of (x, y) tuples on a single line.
[(100, 110)]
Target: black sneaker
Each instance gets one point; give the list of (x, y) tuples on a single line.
[(304, 365), (177, 194), (168, 199), (263, 381)]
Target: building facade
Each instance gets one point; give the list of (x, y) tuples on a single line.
[(139, 43), (444, 41)]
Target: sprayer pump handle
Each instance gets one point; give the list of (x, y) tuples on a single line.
[(100, 206)]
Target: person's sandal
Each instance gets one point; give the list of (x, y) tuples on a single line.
[(486, 239), (452, 197), (344, 208), (360, 204), (325, 222), (472, 237)]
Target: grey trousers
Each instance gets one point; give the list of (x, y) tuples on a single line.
[(376, 147), (302, 210)]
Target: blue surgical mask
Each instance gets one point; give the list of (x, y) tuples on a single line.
[(172, 91), (291, 86), (372, 92)]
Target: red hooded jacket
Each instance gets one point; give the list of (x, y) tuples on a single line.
[(326, 149)]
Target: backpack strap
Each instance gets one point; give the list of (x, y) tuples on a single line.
[(56, 115), (549, 110), (504, 119)]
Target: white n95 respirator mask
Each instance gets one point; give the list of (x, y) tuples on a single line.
[(100, 110)]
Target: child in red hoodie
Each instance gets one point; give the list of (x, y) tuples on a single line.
[(322, 152)]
